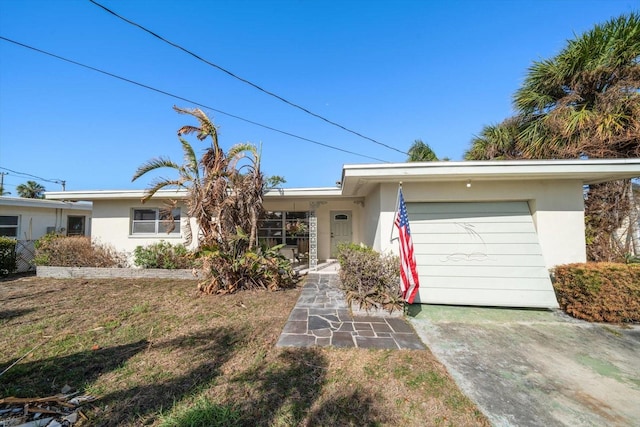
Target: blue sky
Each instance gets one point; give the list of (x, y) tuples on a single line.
[(394, 71)]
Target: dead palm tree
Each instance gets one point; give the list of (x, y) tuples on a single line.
[(223, 193)]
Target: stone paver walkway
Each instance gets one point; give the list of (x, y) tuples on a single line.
[(321, 317)]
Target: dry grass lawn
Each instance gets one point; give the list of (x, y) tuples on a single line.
[(156, 352)]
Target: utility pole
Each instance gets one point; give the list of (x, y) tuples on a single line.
[(2, 174)]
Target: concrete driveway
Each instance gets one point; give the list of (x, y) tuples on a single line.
[(537, 368)]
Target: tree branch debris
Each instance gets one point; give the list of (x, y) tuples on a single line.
[(61, 410)]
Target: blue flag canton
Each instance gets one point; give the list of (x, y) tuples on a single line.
[(404, 218)]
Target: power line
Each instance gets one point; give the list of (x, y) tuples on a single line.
[(28, 175), (235, 76), (188, 100)]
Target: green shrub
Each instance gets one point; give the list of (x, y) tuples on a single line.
[(7, 255), (369, 278), (76, 251), (600, 292), (259, 268), (163, 255)]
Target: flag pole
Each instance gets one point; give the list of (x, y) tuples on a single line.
[(391, 239)]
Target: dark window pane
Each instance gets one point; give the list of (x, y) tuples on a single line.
[(144, 214), (271, 224), (165, 215), (296, 215), (8, 220), (75, 225), (9, 232), (272, 215)]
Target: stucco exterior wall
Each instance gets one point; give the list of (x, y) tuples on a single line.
[(371, 219), (557, 208), (112, 225), (112, 221), (34, 221)]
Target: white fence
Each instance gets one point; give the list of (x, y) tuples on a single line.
[(25, 253)]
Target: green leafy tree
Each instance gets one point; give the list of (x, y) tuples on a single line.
[(31, 190), (582, 103), (421, 152)]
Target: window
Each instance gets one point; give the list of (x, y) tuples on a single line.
[(154, 221), (9, 225), (289, 228), (75, 226)]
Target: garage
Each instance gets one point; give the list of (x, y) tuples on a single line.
[(479, 253)]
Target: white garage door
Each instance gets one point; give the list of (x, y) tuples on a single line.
[(479, 254)]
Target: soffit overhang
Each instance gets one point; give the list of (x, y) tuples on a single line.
[(360, 179)]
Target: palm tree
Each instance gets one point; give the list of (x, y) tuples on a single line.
[(421, 152), (221, 197), (188, 178), (496, 142), (586, 101), (225, 195), (31, 190), (582, 103), (2, 192)]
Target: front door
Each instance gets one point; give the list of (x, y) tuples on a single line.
[(340, 230)]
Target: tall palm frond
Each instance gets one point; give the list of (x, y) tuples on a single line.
[(421, 152), (206, 129), (583, 102), (31, 190), (154, 164)]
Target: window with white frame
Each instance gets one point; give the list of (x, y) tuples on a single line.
[(9, 225), (289, 228), (155, 221)]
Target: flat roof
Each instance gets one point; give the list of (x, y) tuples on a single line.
[(46, 204), (358, 179), (181, 194)]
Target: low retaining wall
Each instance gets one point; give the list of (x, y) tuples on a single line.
[(112, 273)]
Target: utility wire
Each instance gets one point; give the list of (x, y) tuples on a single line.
[(235, 76), (54, 181), (188, 100)]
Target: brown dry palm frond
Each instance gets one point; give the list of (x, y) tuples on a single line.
[(224, 197), (206, 129)]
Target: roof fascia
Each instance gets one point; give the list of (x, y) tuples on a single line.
[(45, 204), (113, 194), (357, 179)]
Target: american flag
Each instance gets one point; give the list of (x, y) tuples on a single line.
[(409, 282)]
